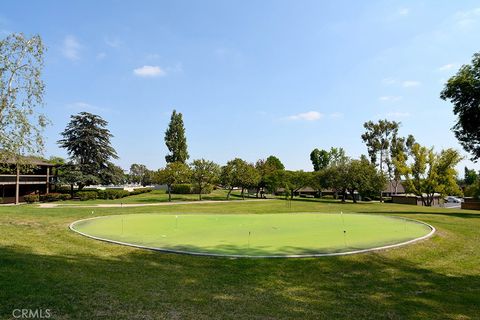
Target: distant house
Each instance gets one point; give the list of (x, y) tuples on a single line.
[(15, 184)]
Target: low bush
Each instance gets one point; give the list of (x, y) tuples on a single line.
[(31, 198), (206, 190), (50, 197), (86, 195), (181, 189), (64, 196), (140, 191)]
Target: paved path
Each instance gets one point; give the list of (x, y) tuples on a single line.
[(128, 205)]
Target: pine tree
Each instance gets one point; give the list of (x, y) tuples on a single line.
[(175, 139)]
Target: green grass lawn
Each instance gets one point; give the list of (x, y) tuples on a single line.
[(43, 264), (277, 234), (158, 196)]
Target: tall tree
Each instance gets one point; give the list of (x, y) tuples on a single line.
[(239, 173), (21, 93), (173, 173), (379, 137), (463, 90), (204, 173), (265, 169), (139, 174), (87, 141), (429, 173), (176, 140), (320, 159)]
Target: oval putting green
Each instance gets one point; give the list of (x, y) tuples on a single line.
[(256, 235)]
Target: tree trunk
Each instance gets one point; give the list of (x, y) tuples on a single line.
[(352, 192), (243, 195), (343, 195), (228, 194), (200, 189), (71, 190), (292, 194)]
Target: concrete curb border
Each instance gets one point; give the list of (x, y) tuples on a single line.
[(217, 255)]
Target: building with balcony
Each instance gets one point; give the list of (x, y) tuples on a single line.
[(16, 182)]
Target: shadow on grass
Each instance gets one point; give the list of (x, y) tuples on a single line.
[(138, 284)]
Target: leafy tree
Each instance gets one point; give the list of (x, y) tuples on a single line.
[(463, 90), (265, 169), (362, 176), (238, 173), (471, 176), (87, 141), (204, 173), (296, 180), (337, 156), (72, 175), (378, 138), (320, 159), (139, 174), (431, 173), (21, 92), (112, 175), (173, 173), (176, 140), (399, 148)]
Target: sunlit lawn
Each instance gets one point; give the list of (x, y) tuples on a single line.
[(45, 265)]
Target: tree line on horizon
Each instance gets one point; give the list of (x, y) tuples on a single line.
[(86, 138)]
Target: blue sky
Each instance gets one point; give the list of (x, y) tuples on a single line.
[(252, 78)]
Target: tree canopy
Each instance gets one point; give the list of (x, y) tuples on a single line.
[(204, 173), (320, 159), (463, 90), (21, 93), (87, 141), (176, 140), (429, 173), (173, 173)]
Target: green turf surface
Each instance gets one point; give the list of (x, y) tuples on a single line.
[(43, 264), (255, 234)]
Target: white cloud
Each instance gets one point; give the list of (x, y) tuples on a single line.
[(307, 116), (389, 98), (467, 18), (404, 11), (149, 71), (410, 83), (71, 48), (446, 67)]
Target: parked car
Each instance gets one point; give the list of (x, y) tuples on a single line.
[(452, 199)]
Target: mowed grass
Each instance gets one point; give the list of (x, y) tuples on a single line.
[(45, 265), (158, 196), (255, 234)]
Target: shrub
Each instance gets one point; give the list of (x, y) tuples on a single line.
[(87, 195), (181, 189), (140, 191), (31, 198), (206, 190), (367, 199), (64, 196), (50, 197)]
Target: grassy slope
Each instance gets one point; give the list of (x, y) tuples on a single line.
[(43, 264)]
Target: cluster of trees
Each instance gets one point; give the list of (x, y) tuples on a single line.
[(471, 183)]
